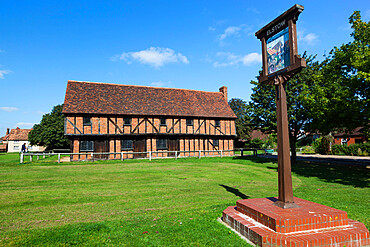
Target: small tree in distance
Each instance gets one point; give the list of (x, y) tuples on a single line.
[(50, 131)]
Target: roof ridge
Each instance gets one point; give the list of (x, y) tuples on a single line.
[(115, 84)]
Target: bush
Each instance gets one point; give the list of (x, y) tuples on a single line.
[(308, 150), (255, 143), (362, 149), (322, 144)]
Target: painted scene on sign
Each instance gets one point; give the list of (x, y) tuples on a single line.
[(278, 56)]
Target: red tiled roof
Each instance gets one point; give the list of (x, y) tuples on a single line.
[(19, 134), (104, 98), (356, 132)]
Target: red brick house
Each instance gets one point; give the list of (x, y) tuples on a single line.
[(356, 136), (102, 117)]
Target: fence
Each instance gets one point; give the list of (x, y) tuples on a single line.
[(148, 155)]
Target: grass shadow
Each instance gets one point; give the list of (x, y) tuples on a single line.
[(355, 175), (235, 191), (260, 160)]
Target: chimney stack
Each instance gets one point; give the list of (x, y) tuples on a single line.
[(7, 131), (223, 90)]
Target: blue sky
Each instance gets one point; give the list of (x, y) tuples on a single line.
[(200, 45)]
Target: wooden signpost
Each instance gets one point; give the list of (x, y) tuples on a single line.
[(280, 61), (288, 220)]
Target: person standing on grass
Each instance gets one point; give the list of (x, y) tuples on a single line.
[(23, 147)]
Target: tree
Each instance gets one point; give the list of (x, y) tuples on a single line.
[(345, 82), (50, 131), (300, 102), (242, 123)]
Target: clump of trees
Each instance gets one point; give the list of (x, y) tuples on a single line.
[(50, 131), (324, 96)]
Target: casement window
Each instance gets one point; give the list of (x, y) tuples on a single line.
[(189, 122), (86, 146), (127, 121), (215, 142), (161, 144), (127, 145), (16, 147), (217, 123), (163, 121), (87, 121)]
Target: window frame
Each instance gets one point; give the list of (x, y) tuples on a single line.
[(216, 142), (189, 122), (124, 147), (85, 123), (162, 147), (129, 121), (163, 119), (217, 123), (87, 147)]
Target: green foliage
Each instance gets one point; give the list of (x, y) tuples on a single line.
[(308, 150), (362, 149), (242, 123), (255, 143), (322, 144), (50, 131), (343, 98)]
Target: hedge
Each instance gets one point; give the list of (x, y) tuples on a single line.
[(362, 149)]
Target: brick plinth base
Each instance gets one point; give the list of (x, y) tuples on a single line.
[(312, 224)]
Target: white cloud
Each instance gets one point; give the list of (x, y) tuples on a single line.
[(252, 58), (8, 108), (23, 124), (309, 39), (230, 31), (41, 112), (153, 56), (161, 84), (231, 59), (4, 72), (211, 29)]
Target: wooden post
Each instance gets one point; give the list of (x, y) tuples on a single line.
[(92, 156), (150, 155), (121, 156), (21, 161), (43, 155), (31, 157), (241, 152), (284, 167), (37, 157), (200, 153), (221, 153), (58, 158), (175, 154)]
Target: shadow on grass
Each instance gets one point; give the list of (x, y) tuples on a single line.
[(354, 175), (235, 191), (255, 159)]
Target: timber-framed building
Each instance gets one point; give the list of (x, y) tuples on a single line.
[(102, 117)]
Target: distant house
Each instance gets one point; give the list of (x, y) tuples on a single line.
[(17, 137), (4, 142), (102, 117), (356, 136)]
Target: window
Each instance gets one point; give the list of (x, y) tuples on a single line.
[(189, 122), (161, 143), (163, 121), (16, 141), (344, 142), (16, 147), (359, 141), (215, 142), (127, 121), (86, 146), (217, 123), (87, 120), (127, 145)]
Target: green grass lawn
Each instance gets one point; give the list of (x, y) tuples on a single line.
[(154, 203)]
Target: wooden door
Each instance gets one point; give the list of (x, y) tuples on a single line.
[(101, 147), (173, 145), (140, 146)]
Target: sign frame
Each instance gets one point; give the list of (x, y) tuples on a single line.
[(287, 20)]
